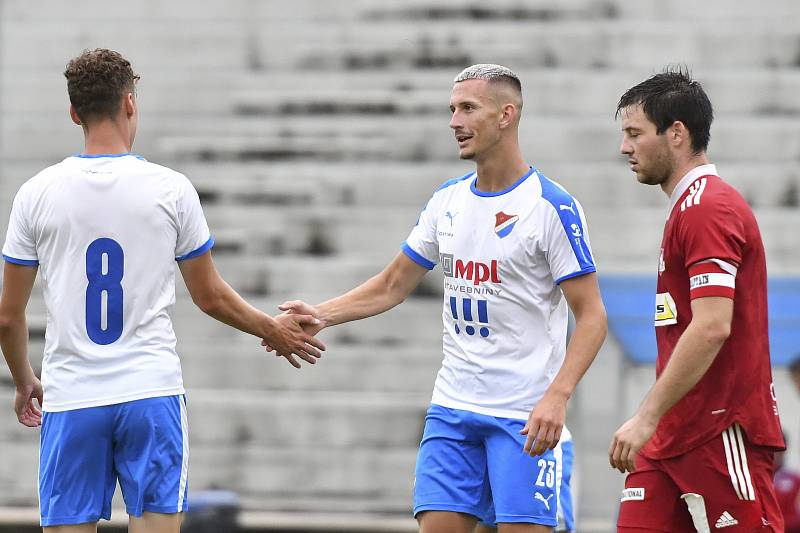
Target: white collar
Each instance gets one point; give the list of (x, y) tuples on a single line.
[(688, 179)]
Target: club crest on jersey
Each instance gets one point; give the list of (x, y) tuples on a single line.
[(504, 223)]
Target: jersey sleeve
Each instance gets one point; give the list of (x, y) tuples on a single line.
[(194, 237), (20, 245), (712, 237), (565, 235), (422, 245)]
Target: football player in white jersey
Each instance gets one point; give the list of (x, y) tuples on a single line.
[(105, 228), (514, 249)]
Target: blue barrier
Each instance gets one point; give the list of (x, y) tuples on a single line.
[(629, 301)]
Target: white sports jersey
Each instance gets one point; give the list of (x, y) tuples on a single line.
[(106, 231), (505, 319)]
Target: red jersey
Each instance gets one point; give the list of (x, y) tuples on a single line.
[(787, 490), (712, 247)]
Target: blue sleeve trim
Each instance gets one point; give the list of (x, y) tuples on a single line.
[(200, 251), (577, 274), (567, 212), (418, 259), (24, 262)]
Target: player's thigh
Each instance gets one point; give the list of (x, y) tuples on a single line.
[(525, 489), (450, 474), (76, 474), (728, 484), (565, 515), (651, 502), (152, 455), (74, 528), (155, 523), (445, 522)]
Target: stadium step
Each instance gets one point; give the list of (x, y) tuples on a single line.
[(342, 368)]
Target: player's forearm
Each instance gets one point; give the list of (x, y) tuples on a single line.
[(693, 355), (14, 343), (587, 338), (227, 306), (373, 297)]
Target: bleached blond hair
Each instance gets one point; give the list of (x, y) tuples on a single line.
[(489, 72), (494, 74)]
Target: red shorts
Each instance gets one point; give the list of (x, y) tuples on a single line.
[(733, 477)]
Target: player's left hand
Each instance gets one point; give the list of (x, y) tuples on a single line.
[(544, 425), (28, 412), (628, 440)]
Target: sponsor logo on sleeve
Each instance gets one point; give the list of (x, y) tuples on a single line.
[(633, 494), (666, 310)]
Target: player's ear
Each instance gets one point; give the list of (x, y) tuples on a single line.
[(508, 117), (130, 105), (74, 115), (677, 134)]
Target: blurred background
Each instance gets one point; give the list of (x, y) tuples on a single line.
[(315, 131)]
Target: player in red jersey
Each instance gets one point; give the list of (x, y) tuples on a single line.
[(700, 447), (787, 490)]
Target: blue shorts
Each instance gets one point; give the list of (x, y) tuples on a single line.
[(144, 444), (473, 463)]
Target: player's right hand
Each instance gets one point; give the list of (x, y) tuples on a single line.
[(29, 413), (296, 337), (299, 307)]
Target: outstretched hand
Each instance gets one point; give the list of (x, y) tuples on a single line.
[(296, 337), (28, 412)]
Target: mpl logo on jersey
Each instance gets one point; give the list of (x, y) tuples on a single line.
[(504, 223), (474, 271)]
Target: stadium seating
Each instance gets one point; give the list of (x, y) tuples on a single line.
[(629, 303), (315, 133)]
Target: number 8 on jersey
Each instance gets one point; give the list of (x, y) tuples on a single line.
[(105, 262)]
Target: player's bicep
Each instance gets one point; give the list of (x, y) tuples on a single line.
[(713, 314), (583, 295), (201, 278), (403, 275), (18, 283)]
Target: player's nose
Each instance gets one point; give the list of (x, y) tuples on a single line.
[(455, 121)]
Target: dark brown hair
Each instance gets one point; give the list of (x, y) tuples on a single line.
[(96, 82), (673, 95)]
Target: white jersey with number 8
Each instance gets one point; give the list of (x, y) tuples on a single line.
[(105, 232)]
